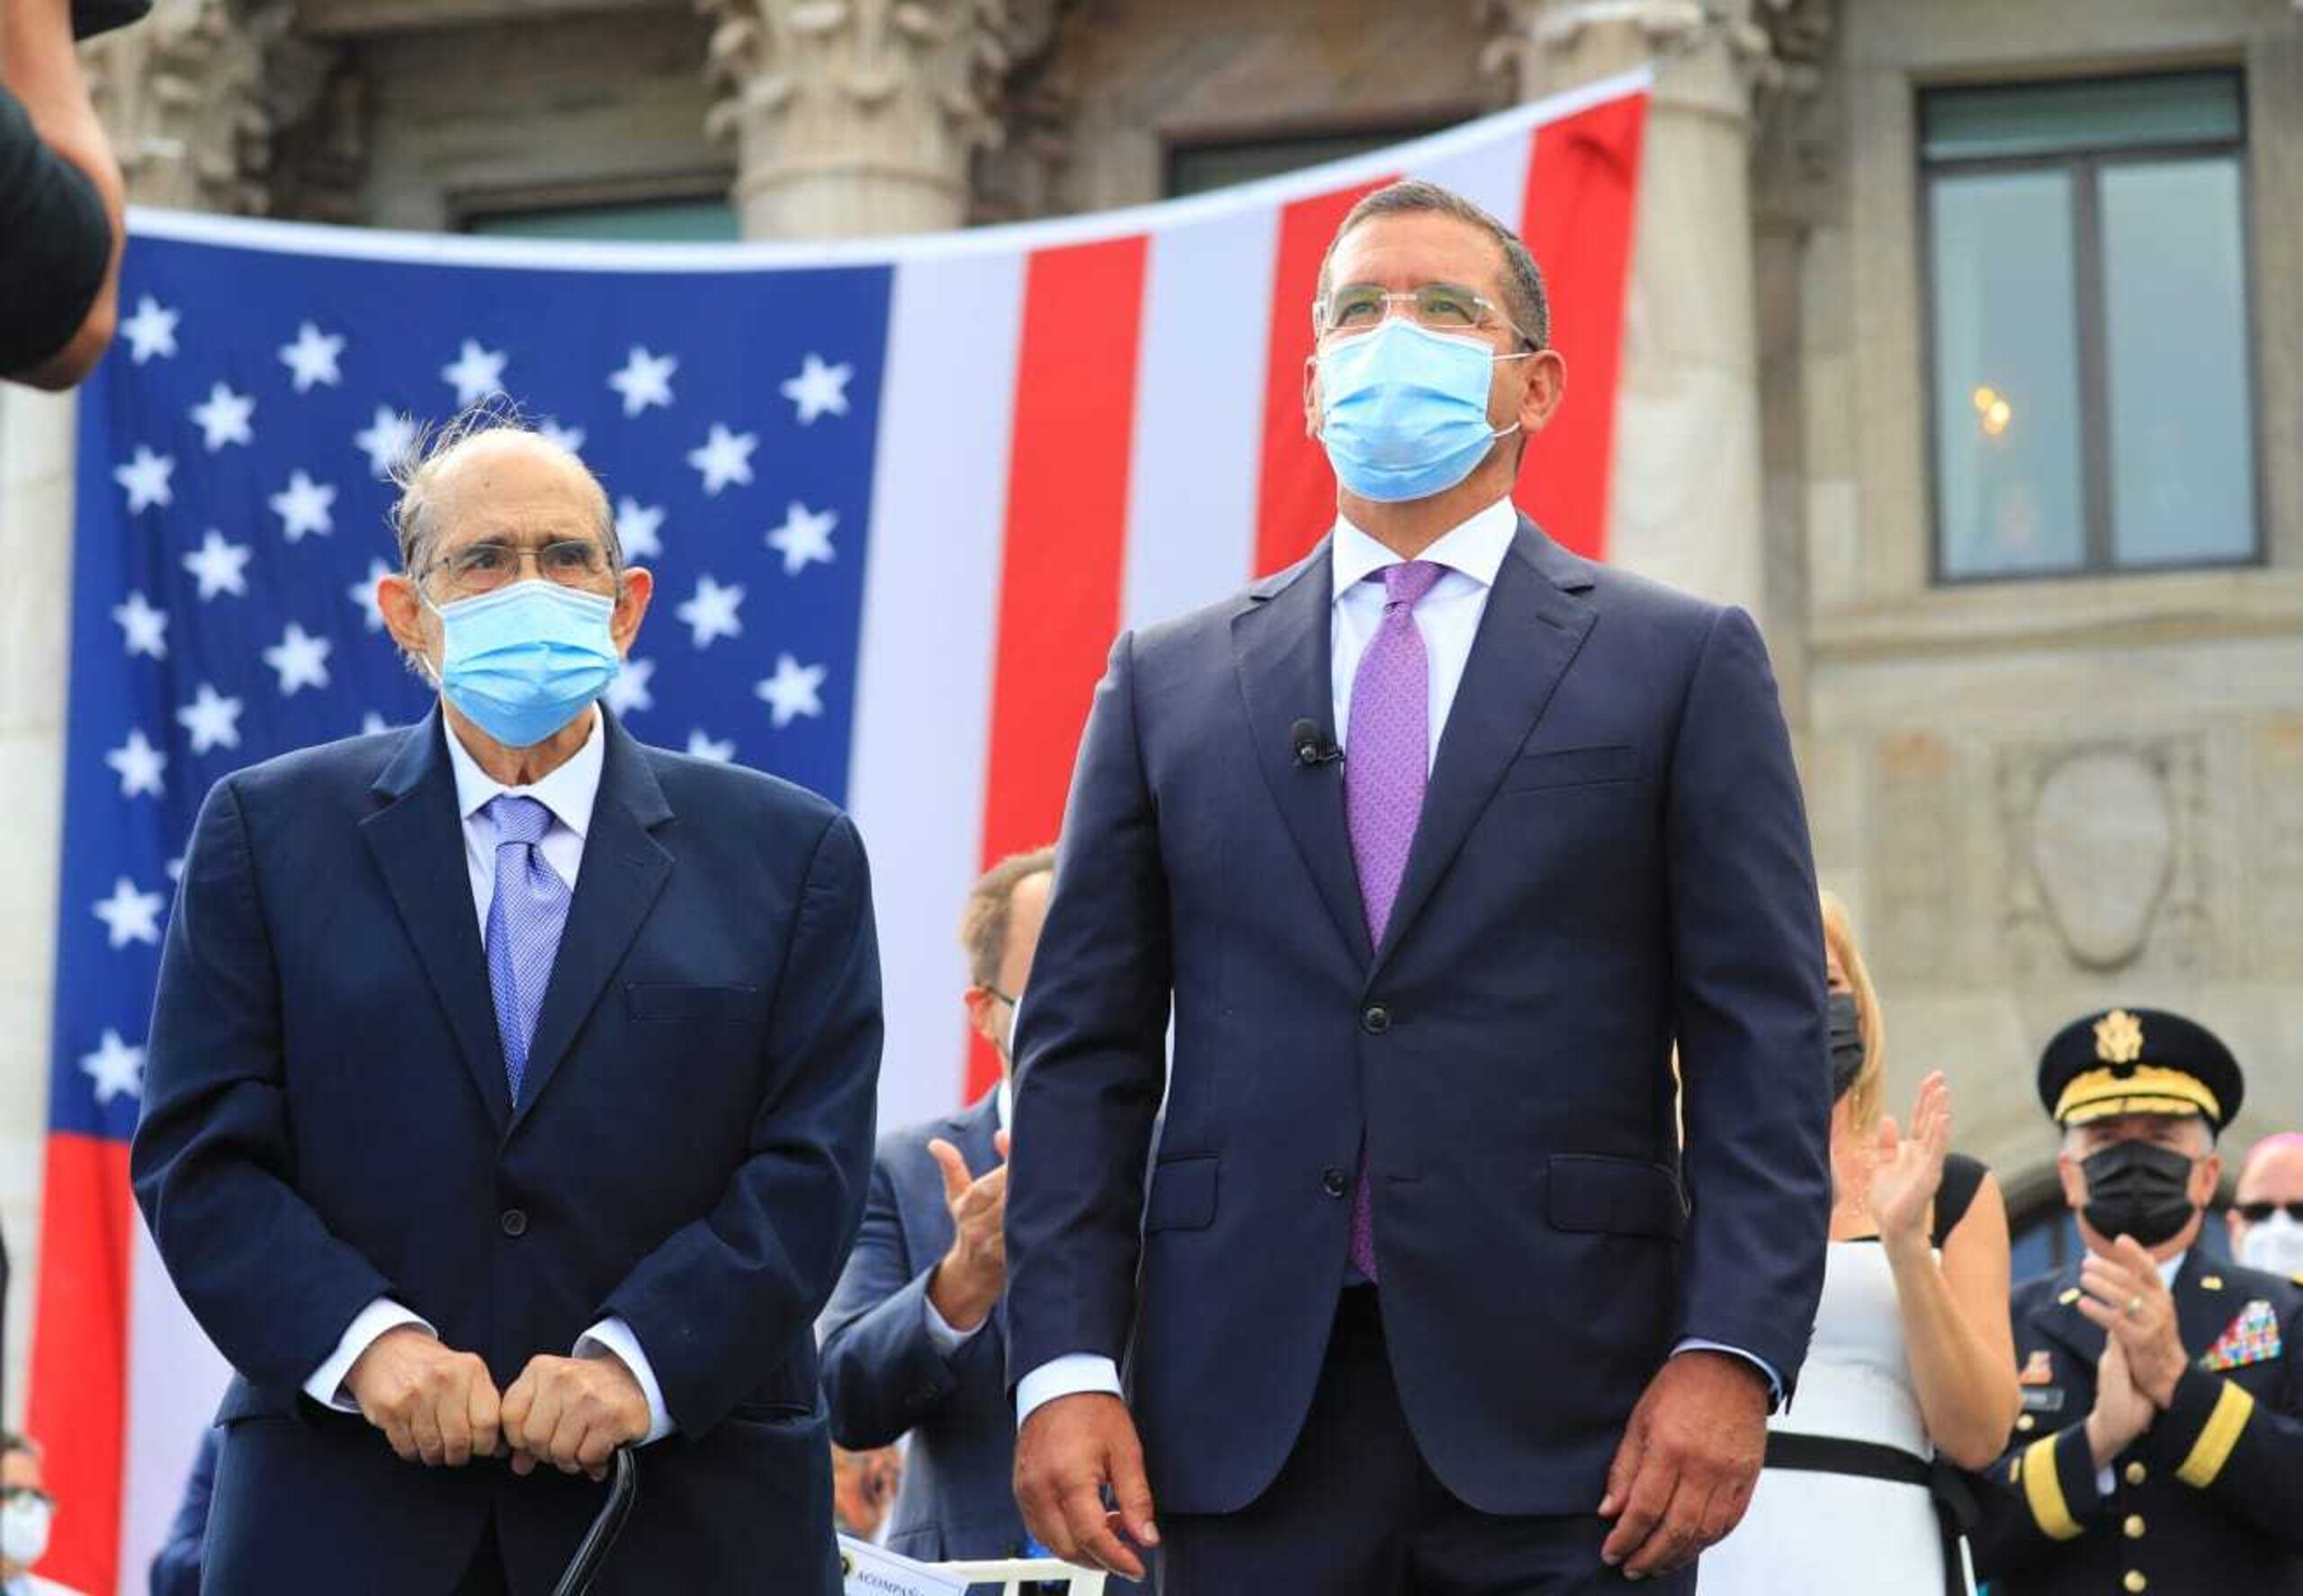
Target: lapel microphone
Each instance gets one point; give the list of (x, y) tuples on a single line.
[(1313, 748)]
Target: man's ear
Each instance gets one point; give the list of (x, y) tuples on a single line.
[(2073, 1179), (1546, 387), (634, 588), (403, 614)]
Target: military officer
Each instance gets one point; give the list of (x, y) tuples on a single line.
[(2159, 1447)]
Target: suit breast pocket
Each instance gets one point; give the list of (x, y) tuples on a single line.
[(662, 1002), (1546, 768)]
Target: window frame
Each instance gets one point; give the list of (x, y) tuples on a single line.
[(2098, 557)]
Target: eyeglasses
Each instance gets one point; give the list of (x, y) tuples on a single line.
[(995, 992), (482, 568), (10, 1494), (1436, 306), (2256, 1212)]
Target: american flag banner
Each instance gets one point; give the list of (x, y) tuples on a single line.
[(899, 497)]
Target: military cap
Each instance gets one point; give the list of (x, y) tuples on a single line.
[(2138, 1061)]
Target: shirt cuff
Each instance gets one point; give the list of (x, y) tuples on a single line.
[(940, 1333), (613, 1335), (1774, 1381), (1069, 1376), (327, 1384)]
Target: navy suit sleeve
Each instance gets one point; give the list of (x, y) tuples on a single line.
[(176, 1569), (1747, 954), (1092, 1055), (883, 1374), (720, 1288), (211, 1161)]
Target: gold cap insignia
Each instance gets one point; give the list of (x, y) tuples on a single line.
[(2119, 1038)]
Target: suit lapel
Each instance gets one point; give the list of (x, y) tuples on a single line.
[(1280, 643), (2203, 1314), (2065, 1324), (624, 869), (1530, 632), (417, 840)]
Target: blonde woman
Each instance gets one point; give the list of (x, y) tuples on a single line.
[(1913, 1360)]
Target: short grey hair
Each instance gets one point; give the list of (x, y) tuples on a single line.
[(2072, 1133), (1524, 299), (415, 519)]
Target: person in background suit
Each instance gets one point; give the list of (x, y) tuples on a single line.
[(26, 1512), (1432, 845), (915, 1340), (175, 1567), (862, 1484), (2266, 1214), (509, 1092)]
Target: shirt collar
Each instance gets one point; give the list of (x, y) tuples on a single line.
[(568, 792), (1007, 1105), (1475, 547)]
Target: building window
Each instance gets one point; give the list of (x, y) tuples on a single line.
[(1196, 165), (653, 221), (2093, 393)]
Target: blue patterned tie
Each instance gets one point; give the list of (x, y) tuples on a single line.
[(525, 919)]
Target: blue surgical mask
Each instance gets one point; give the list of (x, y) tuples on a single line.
[(524, 660), (1403, 410)]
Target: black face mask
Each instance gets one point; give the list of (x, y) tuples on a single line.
[(1846, 1041), (2137, 1189), (92, 17)]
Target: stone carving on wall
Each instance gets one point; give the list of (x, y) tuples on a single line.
[(2274, 875), (2101, 866), (1915, 902), (201, 99)]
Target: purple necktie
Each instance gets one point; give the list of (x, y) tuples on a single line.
[(1383, 778), (525, 919)]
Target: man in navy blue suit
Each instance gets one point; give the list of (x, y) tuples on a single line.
[(1434, 845), (915, 1342), (510, 1094)]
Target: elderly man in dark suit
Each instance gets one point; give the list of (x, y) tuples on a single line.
[(915, 1340), (1433, 847), (510, 1092)]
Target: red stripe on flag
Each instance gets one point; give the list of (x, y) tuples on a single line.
[(1064, 557), (1583, 194), (77, 1405), (1296, 495)]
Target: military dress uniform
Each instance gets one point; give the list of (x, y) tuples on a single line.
[(2208, 1500)]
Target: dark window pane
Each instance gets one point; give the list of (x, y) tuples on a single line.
[(2007, 459), (2056, 118), (1197, 168), (2174, 305), (674, 222)]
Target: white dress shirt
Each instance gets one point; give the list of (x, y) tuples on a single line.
[(1448, 616), (568, 792)]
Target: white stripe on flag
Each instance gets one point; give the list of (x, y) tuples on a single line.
[(1493, 173), (176, 1378), (1199, 450), (923, 702)]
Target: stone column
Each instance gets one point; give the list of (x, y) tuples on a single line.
[(1687, 496), (856, 116)]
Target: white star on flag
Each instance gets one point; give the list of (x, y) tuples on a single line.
[(116, 1067), (223, 418), (724, 457), (700, 745), (303, 507), (144, 628), (312, 358), (476, 372), (363, 594), (712, 612), (139, 765), (218, 566), (636, 528), (130, 915), (152, 330), (300, 658), (210, 720), (628, 693), (805, 537), (646, 379), (146, 477), (570, 438), (388, 439), (818, 389), (792, 691)]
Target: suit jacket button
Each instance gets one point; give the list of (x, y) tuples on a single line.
[(1375, 1019), (514, 1222), (1334, 1181)]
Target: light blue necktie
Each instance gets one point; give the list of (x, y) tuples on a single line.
[(525, 919)]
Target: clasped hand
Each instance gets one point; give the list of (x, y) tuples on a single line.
[(439, 1407)]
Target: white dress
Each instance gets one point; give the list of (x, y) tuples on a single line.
[(1810, 1534)]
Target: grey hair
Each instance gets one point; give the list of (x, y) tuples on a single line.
[(2072, 1133), (15, 1440), (416, 472), (1524, 299)]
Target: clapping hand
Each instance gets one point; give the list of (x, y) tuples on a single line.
[(973, 1272), (1908, 1169), (2126, 1297), (2121, 1412)]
